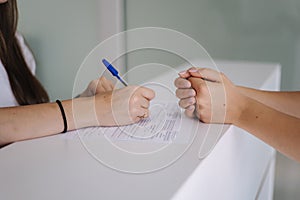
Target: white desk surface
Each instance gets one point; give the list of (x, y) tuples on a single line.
[(59, 168)]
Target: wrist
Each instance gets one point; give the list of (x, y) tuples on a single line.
[(103, 109), (93, 111), (242, 109), (81, 112)]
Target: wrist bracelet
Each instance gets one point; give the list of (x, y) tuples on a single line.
[(63, 116)]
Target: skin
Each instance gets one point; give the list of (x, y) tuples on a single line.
[(3, 1), (274, 117), (98, 105)]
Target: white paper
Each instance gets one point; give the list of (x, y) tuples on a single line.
[(162, 126)]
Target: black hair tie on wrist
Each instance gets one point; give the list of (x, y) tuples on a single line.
[(63, 116)]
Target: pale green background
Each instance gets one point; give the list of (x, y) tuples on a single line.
[(61, 33), (254, 30)]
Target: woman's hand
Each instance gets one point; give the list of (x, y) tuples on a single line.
[(209, 95), (97, 86), (123, 106)]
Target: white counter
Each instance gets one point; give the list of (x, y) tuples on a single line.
[(238, 167)]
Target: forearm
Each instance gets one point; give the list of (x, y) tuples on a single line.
[(279, 130), (27, 122), (286, 102), (129, 105)]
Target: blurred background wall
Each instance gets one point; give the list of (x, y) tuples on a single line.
[(61, 33)]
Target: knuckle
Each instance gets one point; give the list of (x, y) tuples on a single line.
[(181, 103), (149, 93), (178, 93), (188, 113), (192, 92), (192, 100), (134, 100), (182, 83), (176, 82), (153, 93)]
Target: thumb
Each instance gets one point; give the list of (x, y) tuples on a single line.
[(206, 74), (196, 82)]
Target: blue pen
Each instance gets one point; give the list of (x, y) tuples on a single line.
[(113, 71)]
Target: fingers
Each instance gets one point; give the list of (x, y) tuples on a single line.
[(189, 111), (147, 93), (185, 73), (145, 103), (144, 99), (104, 85), (140, 113), (129, 105), (139, 103), (143, 113), (182, 83), (98, 86), (185, 103), (185, 93), (187, 100), (204, 73)]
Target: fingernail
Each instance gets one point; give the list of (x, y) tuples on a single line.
[(193, 70), (182, 72)]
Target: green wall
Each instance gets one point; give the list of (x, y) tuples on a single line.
[(61, 34), (253, 30)]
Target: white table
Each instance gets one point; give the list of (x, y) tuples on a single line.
[(238, 167)]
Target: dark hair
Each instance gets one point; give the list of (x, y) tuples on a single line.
[(26, 88)]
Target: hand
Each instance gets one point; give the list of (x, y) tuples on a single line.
[(123, 106), (186, 94), (217, 99), (97, 86)]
